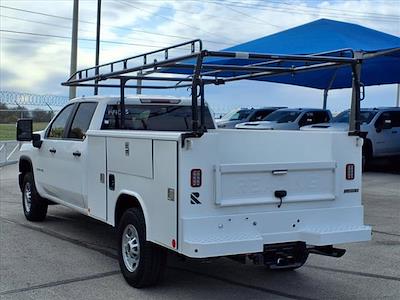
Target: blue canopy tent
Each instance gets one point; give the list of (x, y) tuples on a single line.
[(379, 52)]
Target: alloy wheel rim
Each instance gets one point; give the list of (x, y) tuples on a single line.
[(130, 248), (28, 197)]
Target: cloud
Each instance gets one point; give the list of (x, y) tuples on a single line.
[(35, 61)]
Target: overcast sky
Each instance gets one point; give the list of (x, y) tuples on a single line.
[(35, 56)]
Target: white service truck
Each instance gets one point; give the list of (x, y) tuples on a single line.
[(272, 197)]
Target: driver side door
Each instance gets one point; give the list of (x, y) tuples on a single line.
[(47, 169), (384, 143)]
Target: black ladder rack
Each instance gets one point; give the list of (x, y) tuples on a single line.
[(198, 67)]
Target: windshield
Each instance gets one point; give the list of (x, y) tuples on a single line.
[(283, 116), (236, 115), (343, 117)]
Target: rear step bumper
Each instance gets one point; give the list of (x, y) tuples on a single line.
[(243, 234)]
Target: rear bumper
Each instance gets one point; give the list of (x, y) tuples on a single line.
[(248, 233)]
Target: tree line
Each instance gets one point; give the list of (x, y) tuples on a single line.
[(12, 114)]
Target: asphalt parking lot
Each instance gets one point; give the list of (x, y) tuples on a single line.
[(70, 256)]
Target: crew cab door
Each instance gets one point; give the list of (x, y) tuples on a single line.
[(387, 136), (63, 156)]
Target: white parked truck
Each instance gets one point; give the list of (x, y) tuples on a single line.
[(380, 127), (159, 170), (288, 119)]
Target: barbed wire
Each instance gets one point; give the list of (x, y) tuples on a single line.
[(21, 99)]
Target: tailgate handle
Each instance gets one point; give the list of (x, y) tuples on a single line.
[(279, 172), (280, 195)]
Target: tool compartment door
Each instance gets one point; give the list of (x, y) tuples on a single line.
[(164, 207), (96, 176)]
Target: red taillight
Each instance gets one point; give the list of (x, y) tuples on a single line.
[(195, 178), (350, 171)]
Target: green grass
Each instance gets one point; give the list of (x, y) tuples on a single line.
[(8, 131)]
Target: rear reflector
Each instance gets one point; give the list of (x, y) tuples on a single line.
[(195, 178), (350, 171)]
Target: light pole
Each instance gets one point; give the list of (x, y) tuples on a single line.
[(74, 46)]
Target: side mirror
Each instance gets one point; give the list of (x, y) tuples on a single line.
[(24, 130), (36, 140), (25, 133)]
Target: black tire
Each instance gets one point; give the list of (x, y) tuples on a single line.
[(150, 267), (366, 156), (34, 206)]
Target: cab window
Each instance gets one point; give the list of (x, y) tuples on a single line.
[(82, 119), (321, 117), (260, 115), (153, 117), (396, 118), (57, 128), (307, 119), (382, 119)]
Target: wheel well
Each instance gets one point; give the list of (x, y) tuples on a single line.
[(125, 202), (25, 165), (367, 147)]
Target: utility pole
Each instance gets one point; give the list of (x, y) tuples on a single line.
[(96, 89), (74, 46)]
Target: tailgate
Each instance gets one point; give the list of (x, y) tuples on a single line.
[(256, 183)]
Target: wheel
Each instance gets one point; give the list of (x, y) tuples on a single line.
[(35, 207), (142, 263)]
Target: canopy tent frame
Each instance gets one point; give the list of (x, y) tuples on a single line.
[(361, 56), (201, 67)]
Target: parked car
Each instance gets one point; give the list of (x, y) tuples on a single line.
[(240, 115), (289, 119), (381, 127)]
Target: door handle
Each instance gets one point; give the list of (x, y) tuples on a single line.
[(76, 153), (53, 150), (111, 182)]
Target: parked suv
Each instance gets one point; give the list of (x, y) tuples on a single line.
[(289, 119), (381, 127), (240, 115)]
